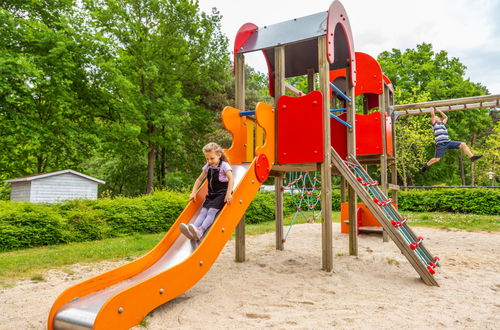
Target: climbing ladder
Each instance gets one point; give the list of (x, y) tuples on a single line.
[(395, 225)]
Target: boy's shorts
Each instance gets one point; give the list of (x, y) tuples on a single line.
[(443, 146)]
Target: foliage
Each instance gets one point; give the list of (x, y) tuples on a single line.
[(27, 225), (422, 74), (465, 200), (49, 95)]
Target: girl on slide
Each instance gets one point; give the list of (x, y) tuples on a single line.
[(220, 190)]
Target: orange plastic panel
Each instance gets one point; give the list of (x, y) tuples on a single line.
[(235, 124), (388, 135), (366, 220)]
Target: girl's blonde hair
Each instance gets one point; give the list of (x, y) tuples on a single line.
[(214, 147)]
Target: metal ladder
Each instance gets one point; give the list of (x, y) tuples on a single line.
[(393, 223)]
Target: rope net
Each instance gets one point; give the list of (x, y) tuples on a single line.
[(305, 190)]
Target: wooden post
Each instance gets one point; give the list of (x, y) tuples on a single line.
[(310, 80), (240, 104), (326, 171), (279, 90), (351, 150), (383, 104), (394, 166)]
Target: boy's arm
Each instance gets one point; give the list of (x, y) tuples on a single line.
[(229, 193), (197, 185), (433, 116), (445, 118)]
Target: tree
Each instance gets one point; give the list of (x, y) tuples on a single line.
[(170, 58), (47, 89)]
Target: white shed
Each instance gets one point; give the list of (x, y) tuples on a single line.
[(54, 187)]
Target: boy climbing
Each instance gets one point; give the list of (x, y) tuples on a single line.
[(443, 141)]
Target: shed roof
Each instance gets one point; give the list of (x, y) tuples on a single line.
[(45, 175)]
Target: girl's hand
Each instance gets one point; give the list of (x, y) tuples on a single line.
[(229, 198), (192, 197)]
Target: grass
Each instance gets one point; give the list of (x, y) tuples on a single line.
[(33, 263), (462, 221)]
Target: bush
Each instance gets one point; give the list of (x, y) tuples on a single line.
[(27, 225), (465, 200)]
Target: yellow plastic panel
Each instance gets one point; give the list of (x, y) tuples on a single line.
[(259, 136), (250, 139), (235, 124), (265, 118)]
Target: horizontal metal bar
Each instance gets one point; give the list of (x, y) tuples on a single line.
[(247, 113), (340, 120), (339, 109), (339, 92)]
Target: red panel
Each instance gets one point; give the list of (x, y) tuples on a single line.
[(387, 81), (369, 78), (338, 136), (368, 134), (300, 129), (338, 15), (245, 31), (262, 168), (372, 100)]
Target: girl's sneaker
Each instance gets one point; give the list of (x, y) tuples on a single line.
[(185, 230), (195, 232)]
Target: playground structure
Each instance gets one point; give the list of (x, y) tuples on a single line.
[(266, 142)]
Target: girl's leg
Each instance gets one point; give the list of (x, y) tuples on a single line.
[(209, 220), (201, 217)]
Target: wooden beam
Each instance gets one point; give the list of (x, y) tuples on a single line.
[(383, 105), (393, 186), (302, 167), (326, 173), (240, 104), (279, 90), (351, 149), (310, 80), (293, 90), (466, 103)]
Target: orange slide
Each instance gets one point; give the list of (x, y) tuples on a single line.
[(122, 297)]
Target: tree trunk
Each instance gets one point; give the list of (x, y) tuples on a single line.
[(461, 166), (151, 161)]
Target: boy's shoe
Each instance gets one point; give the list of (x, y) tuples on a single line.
[(195, 232), (185, 230), (474, 158), (424, 168)]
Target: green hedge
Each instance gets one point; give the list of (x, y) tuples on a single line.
[(465, 200), (28, 225)]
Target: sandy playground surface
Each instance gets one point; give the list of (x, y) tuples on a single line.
[(286, 289)]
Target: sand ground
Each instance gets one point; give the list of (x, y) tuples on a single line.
[(287, 289)]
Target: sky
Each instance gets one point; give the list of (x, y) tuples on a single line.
[(466, 29)]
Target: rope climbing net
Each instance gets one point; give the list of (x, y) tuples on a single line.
[(304, 188)]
